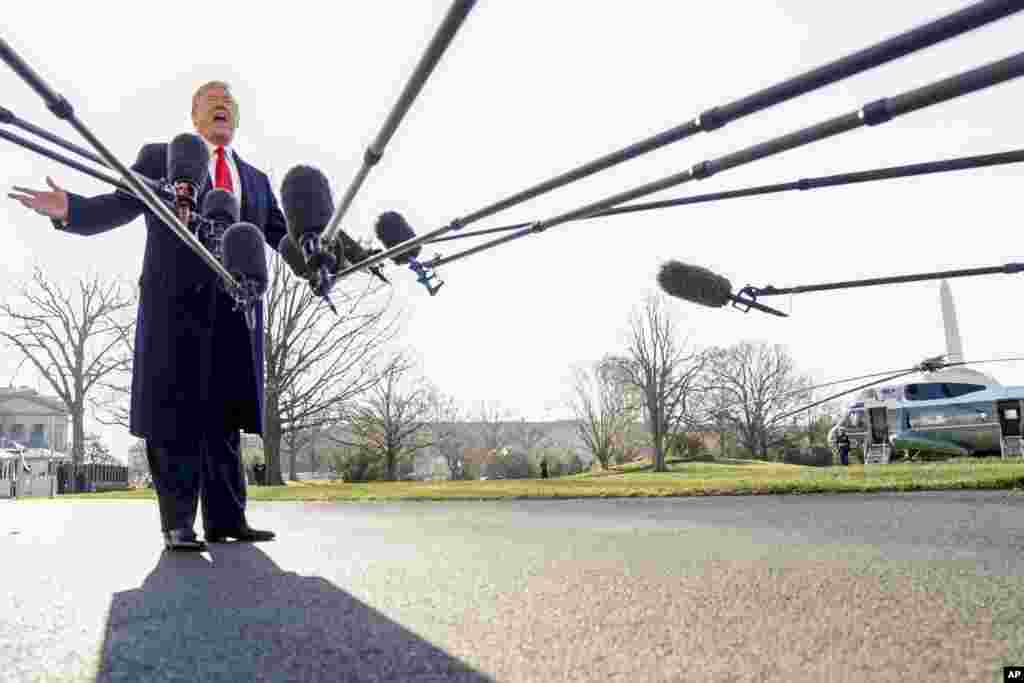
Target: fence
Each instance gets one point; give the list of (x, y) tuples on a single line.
[(8, 477), (24, 477), (90, 477), (27, 476)]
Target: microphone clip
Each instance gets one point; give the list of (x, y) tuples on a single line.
[(245, 296), (425, 275), (210, 232), (746, 298)]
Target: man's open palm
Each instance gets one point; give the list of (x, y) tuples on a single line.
[(53, 203)]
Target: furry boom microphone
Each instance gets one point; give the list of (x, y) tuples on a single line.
[(703, 287), (695, 284)]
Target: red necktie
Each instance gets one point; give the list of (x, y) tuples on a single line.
[(222, 177)]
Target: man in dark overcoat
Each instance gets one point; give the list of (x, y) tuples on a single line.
[(843, 444), (198, 374)]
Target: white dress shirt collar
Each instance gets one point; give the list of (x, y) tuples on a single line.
[(229, 157), (229, 154)]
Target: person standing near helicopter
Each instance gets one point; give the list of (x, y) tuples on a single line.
[(843, 444)]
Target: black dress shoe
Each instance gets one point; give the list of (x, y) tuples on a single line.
[(183, 540), (246, 533)]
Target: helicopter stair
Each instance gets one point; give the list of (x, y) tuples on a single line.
[(877, 454), (1013, 447)]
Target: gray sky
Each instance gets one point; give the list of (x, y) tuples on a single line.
[(530, 89)]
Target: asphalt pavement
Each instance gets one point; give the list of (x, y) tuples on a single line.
[(879, 587)]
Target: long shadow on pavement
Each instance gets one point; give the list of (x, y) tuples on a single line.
[(243, 618)]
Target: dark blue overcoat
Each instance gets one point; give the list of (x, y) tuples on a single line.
[(198, 370)]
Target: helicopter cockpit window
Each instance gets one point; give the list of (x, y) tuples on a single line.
[(931, 391)]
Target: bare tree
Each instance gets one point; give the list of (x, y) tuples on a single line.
[(601, 408), (665, 369), (445, 416), (762, 383), (138, 464), (529, 436), (316, 362), (310, 442), (390, 422), (111, 405), (97, 452), (719, 411), (493, 427), (75, 343)]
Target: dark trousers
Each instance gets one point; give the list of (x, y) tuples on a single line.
[(844, 456), (208, 469)]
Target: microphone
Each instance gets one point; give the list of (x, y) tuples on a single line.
[(245, 259), (221, 210), (348, 251), (220, 205), (293, 257), (308, 206), (701, 286), (695, 284), (392, 229), (187, 171)]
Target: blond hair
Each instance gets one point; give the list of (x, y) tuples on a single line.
[(214, 84)]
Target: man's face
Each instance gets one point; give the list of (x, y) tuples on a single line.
[(215, 116)]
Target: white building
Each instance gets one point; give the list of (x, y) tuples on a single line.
[(33, 420)]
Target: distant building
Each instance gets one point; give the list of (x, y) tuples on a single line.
[(32, 420)]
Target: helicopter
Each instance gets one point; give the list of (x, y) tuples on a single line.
[(944, 408)]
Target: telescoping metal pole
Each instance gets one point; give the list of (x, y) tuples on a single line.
[(8, 117), (887, 173), (926, 35), (1008, 269), (78, 166), (70, 163), (63, 110), (872, 114), (443, 36)]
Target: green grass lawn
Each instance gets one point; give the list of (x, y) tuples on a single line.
[(729, 477)]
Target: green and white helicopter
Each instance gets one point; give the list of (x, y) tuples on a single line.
[(939, 407)]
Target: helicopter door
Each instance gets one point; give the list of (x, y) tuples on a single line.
[(877, 448), (1010, 424)]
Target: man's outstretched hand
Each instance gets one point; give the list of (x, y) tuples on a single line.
[(53, 204)]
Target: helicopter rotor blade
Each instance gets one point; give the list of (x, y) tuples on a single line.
[(900, 373)]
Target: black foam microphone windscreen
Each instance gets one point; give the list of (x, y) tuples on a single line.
[(187, 170), (289, 251), (695, 284), (392, 229), (220, 205), (188, 160), (306, 202), (244, 255)]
